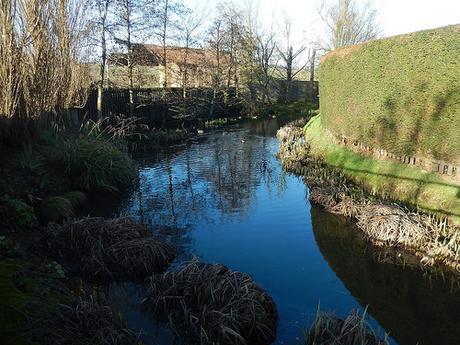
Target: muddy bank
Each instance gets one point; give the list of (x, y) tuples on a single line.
[(385, 223)]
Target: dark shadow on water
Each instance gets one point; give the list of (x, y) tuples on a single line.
[(414, 307)]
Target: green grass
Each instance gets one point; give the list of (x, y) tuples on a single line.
[(386, 178), (401, 94), (94, 164)]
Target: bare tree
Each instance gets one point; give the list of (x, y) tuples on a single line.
[(130, 24), (10, 57), (266, 62), (216, 43), (348, 23), (290, 58), (40, 71), (165, 26), (248, 41), (100, 10), (190, 22)]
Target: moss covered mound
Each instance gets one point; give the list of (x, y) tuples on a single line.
[(401, 94), (210, 304)]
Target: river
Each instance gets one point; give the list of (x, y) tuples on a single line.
[(225, 198)]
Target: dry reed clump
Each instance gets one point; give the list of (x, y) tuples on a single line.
[(348, 207), (139, 256), (87, 322), (328, 329), (117, 248), (393, 226), (210, 304), (323, 196)]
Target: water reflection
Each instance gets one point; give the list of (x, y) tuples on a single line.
[(226, 199), (207, 182), (415, 308)]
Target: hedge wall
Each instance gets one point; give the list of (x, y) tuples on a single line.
[(401, 94)]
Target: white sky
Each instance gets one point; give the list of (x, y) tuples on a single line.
[(395, 16)]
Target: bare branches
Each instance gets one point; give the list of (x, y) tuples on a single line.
[(348, 24), (290, 57), (39, 69)]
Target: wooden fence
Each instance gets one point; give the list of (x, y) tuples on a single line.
[(159, 105), (449, 170)]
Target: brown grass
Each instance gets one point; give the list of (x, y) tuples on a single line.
[(328, 329), (393, 226), (210, 304), (117, 248), (87, 322)]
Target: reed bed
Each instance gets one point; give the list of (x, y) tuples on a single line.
[(117, 248), (88, 322), (348, 206), (328, 329), (393, 226), (384, 223), (210, 304)]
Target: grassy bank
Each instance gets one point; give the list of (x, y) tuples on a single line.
[(384, 222), (384, 178)]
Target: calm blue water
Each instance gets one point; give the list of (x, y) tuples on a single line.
[(226, 199)]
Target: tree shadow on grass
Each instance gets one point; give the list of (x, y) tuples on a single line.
[(415, 193)]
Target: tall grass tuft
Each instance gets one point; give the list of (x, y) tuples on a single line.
[(210, 304), (94, 164), (88, 322), (104, 249), (328, 329)]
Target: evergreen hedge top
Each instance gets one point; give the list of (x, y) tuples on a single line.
[(401, 94)]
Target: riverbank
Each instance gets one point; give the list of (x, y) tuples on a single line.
[(48, 180), (389, 179), (381, 219)]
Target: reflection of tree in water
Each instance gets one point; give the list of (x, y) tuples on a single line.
[(414, 308), (207, 182)]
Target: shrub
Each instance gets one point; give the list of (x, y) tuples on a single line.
[(400, 93), (8, 248), (94, 164), (76, 198), (57, 208), (14, 212)]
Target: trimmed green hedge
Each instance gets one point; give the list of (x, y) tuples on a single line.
[(401, 94)]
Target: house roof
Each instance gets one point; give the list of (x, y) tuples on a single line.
[(151, 53)]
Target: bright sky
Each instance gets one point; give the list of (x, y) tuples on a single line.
[(395, 16)]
